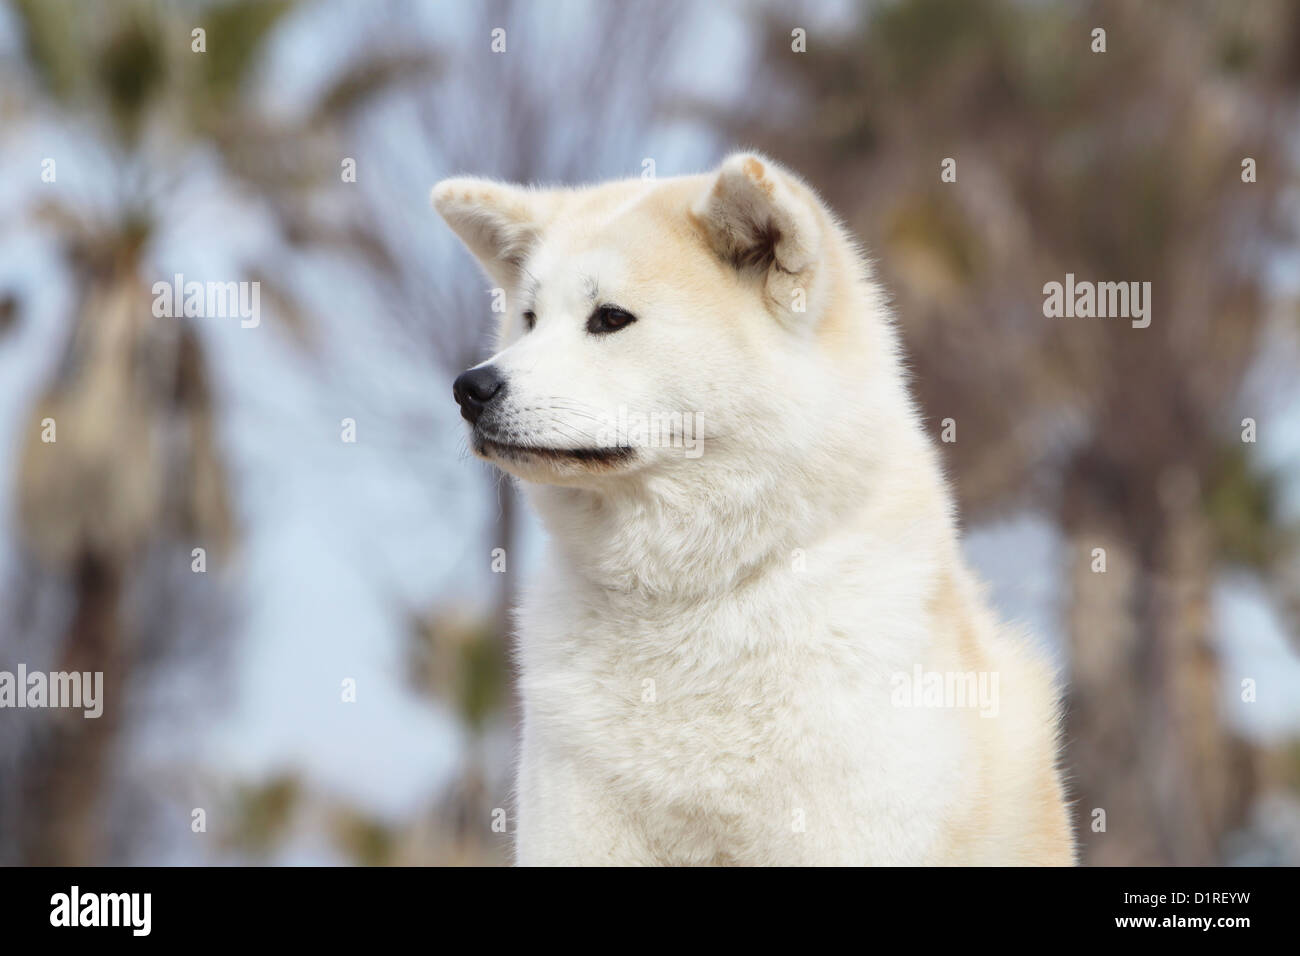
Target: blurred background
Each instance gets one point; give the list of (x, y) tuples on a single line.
[(333, 687)]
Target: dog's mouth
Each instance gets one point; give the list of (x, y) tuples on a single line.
[(512, 451)]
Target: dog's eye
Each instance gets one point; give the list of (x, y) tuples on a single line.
[(530, 319), (609, 318)]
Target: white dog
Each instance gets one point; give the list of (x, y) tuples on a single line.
[(754, 640)]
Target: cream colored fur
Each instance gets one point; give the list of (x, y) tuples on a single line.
[(711, 654)]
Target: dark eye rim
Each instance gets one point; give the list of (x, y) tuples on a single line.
[(608, 319), (530, 319)]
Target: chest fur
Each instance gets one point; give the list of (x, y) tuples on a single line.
[(747, 721)]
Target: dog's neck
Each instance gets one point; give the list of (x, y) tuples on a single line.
[(673, 538)]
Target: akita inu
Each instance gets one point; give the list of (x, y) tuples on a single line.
[(717, 659)]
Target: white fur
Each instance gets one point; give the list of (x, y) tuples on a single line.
[(709, 655)]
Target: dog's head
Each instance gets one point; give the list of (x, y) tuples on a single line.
[(647, 324)]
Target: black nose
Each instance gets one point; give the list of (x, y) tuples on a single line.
[(475, 389)]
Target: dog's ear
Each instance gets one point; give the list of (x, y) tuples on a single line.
[(762, 220), (498, 223)]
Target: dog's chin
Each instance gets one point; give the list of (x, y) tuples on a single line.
[(547, 463)]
